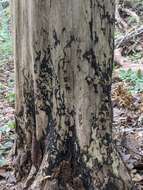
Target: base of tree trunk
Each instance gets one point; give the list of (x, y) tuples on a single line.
[(72, 173)]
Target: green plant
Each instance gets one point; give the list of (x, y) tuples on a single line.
[(6, 143), (131, 19), (1, 86), (135, 78), (11, 97), (8, 127), (136, 56), (11, 83), (2, 159), (117, 33), (11, 125)]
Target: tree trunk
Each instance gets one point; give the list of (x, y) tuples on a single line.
[(63, 61)]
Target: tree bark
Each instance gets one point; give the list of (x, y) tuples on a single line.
[(63, 62)]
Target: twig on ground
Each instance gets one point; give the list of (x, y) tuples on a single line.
[(119, 42)]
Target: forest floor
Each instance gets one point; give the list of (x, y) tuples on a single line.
[(127, 89), (7, 95)]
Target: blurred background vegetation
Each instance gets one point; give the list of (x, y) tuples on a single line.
[(5, 31), (7, 94)]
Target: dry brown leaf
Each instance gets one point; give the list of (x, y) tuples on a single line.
[(137, 178), (122, 97)]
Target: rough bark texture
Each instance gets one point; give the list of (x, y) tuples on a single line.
[(63, 60)]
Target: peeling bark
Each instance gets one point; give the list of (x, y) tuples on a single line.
[(63, 60)]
